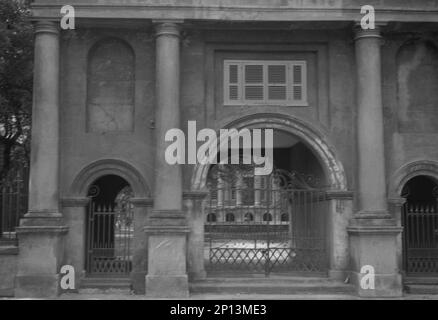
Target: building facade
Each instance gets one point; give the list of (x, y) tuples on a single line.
[(354, 110)]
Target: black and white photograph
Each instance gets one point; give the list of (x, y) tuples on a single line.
[(233, 152)]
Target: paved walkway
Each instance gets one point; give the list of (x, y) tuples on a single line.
[(123, 295), (119, 294)]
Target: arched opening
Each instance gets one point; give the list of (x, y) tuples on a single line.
[(229, 217), (248, 217), (420, 222), (284, 217), (110, 226), (279, 223)]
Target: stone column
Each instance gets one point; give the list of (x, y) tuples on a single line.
[(370, 145), (43, 190), (40, 232), (167, 226), (238, 189), (257, 190), (220, 191), (372, 232), (168, 186)]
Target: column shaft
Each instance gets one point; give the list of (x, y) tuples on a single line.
[(43, 188), (371, 155), (168, 178)]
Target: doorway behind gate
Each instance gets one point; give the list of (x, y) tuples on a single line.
[(109, 228), (263, 225)]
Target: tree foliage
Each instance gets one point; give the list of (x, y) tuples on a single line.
[(16, 74)]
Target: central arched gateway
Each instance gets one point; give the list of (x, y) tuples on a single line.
[(279, 223)]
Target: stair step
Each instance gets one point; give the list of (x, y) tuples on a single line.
[(421, 289), (421, 285), (271, 286), (421, 280), (106, 283)]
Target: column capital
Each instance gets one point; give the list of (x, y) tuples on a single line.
[(360, 33), (47, 26), (168, 27)]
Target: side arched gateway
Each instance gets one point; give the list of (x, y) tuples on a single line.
[(109, 221), (277, 223), (417, 184)]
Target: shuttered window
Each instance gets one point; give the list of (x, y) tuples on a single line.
[(265, 82)]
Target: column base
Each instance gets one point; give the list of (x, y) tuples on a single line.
[(169, 286), (338, 275), (373, 245), (40, 257), (386, 286), (37, 286), (198, 275), (138, 282), (167, 255)]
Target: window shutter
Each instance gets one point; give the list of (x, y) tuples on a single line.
[(277, 74), (277, 86), (233, 82), (254, 82), (254, 74), (298, 82), (265, 82)]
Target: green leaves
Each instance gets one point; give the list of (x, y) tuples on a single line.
[(16, 77)]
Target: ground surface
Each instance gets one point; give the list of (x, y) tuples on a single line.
[(124, 295)]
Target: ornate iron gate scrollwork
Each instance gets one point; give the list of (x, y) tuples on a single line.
[(109, 235), (264, 224), (420, 235)]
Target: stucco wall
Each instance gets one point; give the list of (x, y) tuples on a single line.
[(79, 146), (332, 107), (330, 58), (409, 100)]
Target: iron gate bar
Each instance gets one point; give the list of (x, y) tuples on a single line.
[(109, 236), (266, 243), (420, 238)]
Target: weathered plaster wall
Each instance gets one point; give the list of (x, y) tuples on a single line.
[(79, 146), (330, 58), (410, 82), (331, 79), (332, 104)]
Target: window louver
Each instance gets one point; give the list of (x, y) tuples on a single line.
[(265, 82)]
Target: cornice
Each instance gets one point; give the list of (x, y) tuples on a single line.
[(236, 12)]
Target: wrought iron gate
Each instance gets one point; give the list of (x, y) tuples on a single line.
[(109, 236), (264, 224), (420, 221)]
